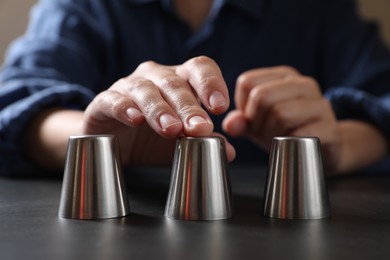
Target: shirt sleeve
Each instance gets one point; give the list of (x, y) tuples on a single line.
[(57, 62)]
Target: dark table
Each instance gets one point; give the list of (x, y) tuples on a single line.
[(358, 229)]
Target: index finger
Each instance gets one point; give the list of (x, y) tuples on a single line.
[(206, 79)]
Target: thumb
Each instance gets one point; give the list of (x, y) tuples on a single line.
[(235, 123)]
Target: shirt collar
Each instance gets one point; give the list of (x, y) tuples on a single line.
[(252, 8)]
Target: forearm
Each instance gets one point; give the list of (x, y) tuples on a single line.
[(362, 145), (47, 136)]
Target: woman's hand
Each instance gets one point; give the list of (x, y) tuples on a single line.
[(279, 101), (157, 103)]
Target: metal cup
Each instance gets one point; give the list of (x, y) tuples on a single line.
[(200, 185), (93, 185), (295, 187)]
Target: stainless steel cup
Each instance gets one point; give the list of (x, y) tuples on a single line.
[(200, 184), (93, 185), (295, 187)]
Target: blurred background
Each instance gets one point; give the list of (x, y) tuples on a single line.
[(14, 17)]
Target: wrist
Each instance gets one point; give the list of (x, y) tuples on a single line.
[(362, 144)]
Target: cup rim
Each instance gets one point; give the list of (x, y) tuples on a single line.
[(287, 138), (92, 136), (199, 137)]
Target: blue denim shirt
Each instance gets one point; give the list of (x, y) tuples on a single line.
[(74, 49)]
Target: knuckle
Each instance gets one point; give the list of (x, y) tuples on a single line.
[(110, 101), (287, 69), (171, 82), (119, 84), (103, 98), (243, 82), (207, 81), (200, 60), (308, 80), (138, 84), (310, 83), (259, 96), (154, 109), (117, 106), (187, 110), (146, 66), (123, 82), (100, 99)]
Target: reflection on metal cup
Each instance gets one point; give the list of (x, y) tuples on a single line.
[(295, 187), (200, 185), (93, 185)]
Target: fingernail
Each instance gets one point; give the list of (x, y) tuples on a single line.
[(197, 120), (166, 121), (217, 99), (133, 113)]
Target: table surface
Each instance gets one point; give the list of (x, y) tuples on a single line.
[(359, 227)]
